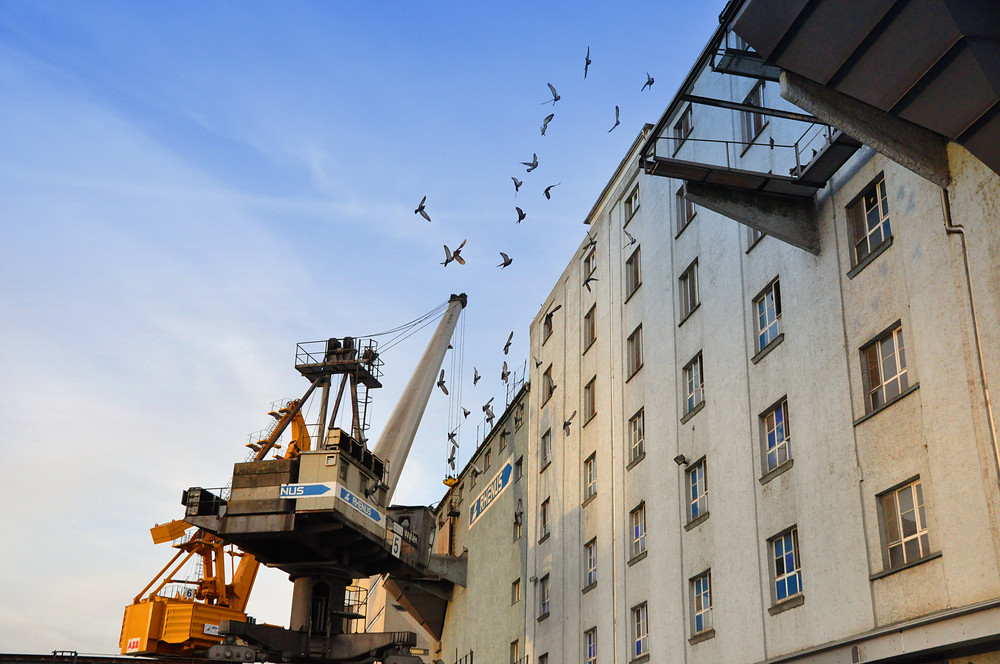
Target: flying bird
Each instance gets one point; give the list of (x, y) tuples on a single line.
[(538, 362), (631, 240), (440, 383), (533, 164), (546, 121), (451, 459), (617, 121), (507, 260), (555, 95), (551, 312), (520, 214), (451, 438), (567, 423), (586, 63), (504, 373), (475, 470), (587, 283), (548, 196), (517, 184), (465, 413), (421, 211), (450, 256), (487, 406), (648, 83), (475, 376), (591, 242), (506, 346)]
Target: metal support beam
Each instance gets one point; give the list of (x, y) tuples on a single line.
[(748, 108), (790, 219), (921, 150)]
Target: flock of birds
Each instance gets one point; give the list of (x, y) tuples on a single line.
[(454, 256)]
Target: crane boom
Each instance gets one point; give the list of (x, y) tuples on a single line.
[(400, 429)]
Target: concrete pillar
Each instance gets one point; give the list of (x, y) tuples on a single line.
[(315, 600)]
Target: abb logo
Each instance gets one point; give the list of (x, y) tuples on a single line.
[(133, 644)]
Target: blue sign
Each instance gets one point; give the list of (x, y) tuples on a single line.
[(492, 490), (358, 504), (305, 490)]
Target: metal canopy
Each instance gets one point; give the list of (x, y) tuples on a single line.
[(935, 63)]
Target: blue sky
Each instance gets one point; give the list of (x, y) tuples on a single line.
[(188, 189)]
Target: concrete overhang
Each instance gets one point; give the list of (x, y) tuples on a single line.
[(932, 63)]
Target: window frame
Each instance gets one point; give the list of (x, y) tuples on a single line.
[(780, 573), (639, 630), (590, 262), (544, 597), (770, 316), (637, 521), (689, 294), (633, 273), (590, 327), (887, 526), (590, 646), (782, 446), (685, 210), (694, 390), (515, 591), (548, 385), (753, 124), (858, 211), (701, 615), (633, 352), (515, 651), (545, 449), (637, 443), (590, 400), (696, 483), (632, 203), (590, 563), (545, 519), (753, 237), (902, 376), (683, 127), (590, 477)]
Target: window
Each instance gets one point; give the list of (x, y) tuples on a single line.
[(682, 128), (589, 263), (633, 278), (787, 566), (518, 416), (640, 631), (548, 387), (543, 598), (694, 384), (753, 123), (884, 368), (767, 306), (589, 328), (904, 525), (685, 210), (753, 235), (590, 476), (697, 482), (689, 289), (632, 203), (544, 520), (590, 559), (869, 216), (701, 603), (503, 440), (590, 646), (546, 328), (636, 429), (518, 468), (515, 651), (486, 459), (515, 591), (517, 526), (590, 400), (633, 348), (545, 449), (639, 530), (472, 478), (777, 435), (543, 659)]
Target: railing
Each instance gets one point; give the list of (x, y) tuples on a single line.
[(341, 350), (465, 659)]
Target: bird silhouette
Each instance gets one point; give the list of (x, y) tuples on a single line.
[(475, 376), (451, 438), (487, 406), (476, 470), (586, 63), (591, 242), (520, 214), (517, 184), (648, 83), (506, 346), (555, 95), (507, 260), (551, 312), (587, 283), (546, 121), (617, 121), (421, 211), (566, 424), (465, 412), (631, 240), (440, 383), (538, 362), (548, 196), (504, 373), (450, 256), (533, 164)]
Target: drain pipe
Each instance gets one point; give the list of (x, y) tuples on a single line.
[(954, 229)]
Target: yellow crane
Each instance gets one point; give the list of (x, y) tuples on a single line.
[(174, 615)]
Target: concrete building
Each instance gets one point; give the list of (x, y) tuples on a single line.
[(761, 426)]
